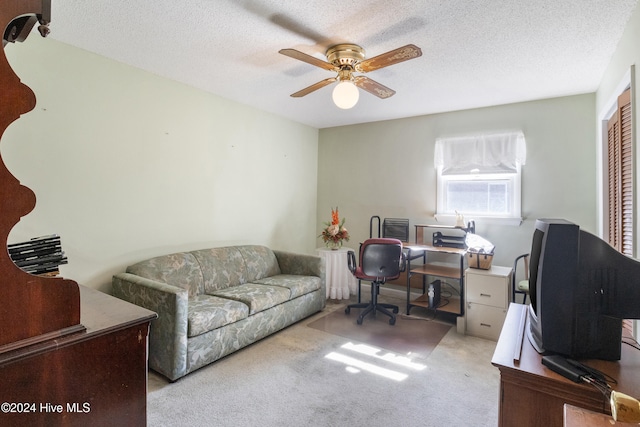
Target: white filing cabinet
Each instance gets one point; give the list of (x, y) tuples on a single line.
[(487, 298)]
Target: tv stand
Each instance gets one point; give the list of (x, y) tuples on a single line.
[(532, 395)]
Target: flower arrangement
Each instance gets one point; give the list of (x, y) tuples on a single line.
[(335, 231)]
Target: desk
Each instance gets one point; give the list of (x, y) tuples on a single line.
[(454, 270), (532, 395), (340, 281)]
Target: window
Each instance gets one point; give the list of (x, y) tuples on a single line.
[(479, 176), (487, 195)]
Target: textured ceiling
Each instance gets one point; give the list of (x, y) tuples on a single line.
[(475, 52)]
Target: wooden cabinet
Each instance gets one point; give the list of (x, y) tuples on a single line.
[(531, 395), (487, 297), (97, 377)]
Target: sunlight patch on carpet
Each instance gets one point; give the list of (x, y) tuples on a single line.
[(357, 364), (410, 337), (388, 357), (369, 367)]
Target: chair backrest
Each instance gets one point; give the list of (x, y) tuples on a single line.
[(381, 257), (520, 278), (524, 272)]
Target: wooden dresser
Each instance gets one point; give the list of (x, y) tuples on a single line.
[(97, 377), (532, 395)]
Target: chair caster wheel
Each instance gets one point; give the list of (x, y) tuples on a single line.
[(359, 321), (392, 321), (347, 310)]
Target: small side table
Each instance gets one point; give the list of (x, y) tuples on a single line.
[(340, 281)]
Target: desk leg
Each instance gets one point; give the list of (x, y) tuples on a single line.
[(408, 293), (408, 283), (462, 285)]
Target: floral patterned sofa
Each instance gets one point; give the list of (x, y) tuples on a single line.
[(212, 302)]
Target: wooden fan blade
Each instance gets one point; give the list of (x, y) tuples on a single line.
[(301, 56), (373, 87), (395, 56), (314, 87)]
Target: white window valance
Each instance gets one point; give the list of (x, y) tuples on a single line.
[(490, 153)]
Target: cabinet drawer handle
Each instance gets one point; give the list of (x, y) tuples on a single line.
[(485, 324), (485, 295)]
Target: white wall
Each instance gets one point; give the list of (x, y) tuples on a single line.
[(126, 165), (386, 168)]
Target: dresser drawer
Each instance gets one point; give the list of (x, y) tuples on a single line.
[(487, 290), (484, 321)]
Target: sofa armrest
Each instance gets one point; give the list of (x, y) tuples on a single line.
[(168, 333), (301, 264)]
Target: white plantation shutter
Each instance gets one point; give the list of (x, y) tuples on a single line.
[(620, 176)]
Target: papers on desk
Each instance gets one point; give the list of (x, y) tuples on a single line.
[(479, 244)]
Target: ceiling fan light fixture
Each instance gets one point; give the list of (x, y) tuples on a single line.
[(345, 95), (345, 59)]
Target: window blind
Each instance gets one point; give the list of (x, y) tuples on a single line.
[(478, 154)]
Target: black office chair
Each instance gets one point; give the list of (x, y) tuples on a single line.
[(381, 259), (520, 286), (393, 228)]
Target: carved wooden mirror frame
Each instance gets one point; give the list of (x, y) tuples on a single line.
[(33, 308)]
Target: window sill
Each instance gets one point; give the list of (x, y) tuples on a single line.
[(451, 219)]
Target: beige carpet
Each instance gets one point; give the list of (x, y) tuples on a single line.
[(309, 377), (410, 335)]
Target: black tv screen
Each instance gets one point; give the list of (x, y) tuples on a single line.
[(581, 289)]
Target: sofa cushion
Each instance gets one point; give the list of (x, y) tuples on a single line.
[(207, 313), (221, 268), (260, 262), (298, 285), (180, 269), (257, 297)]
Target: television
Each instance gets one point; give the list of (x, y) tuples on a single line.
[(580, 289)]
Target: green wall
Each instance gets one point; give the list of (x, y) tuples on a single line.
[(126, 165), (386, 168)]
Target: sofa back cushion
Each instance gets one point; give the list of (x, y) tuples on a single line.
[(235, 265), (260, 262), (180, 269), (221, 268)]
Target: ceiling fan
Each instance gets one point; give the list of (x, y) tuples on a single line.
[(346, 59)]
